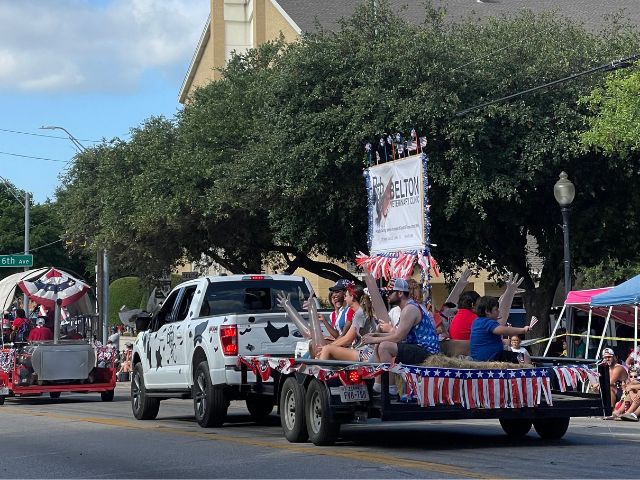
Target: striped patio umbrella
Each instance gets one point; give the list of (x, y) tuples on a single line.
[(54, 285)]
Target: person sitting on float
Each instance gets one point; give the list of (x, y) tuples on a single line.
[(41, 333), (487, 332), (349, 346), (340, 319), (516, 346)]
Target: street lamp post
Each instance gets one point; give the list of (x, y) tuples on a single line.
[(564, 191), (102, 259)]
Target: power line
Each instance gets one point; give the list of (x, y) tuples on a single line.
[(44, 135), (614, 65), (40, 247), (11, 190), (34, 158)]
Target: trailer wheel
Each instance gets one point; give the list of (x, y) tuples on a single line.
[(322, 429), (54, 395), (292, 417), (515, 427), (551, 428), (209, 402), (144, 407), (107, 396), (260, 406)]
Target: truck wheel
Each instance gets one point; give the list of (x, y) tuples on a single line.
[(144, 407), (322, 429), (260, 406), (1, 399), (108, 396), (209, 401), (515, 427), (54, 395), (292, 411), (551, 428)]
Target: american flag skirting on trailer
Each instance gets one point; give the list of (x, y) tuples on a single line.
[(505, 388)]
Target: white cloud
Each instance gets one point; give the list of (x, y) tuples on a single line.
[(95, 45)]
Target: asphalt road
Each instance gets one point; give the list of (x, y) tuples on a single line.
[(80, 436)]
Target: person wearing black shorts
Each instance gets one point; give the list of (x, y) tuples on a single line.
[(412, 341)]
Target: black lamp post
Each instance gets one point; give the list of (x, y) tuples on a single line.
[(565, 192)]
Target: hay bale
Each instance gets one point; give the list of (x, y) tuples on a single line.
[(448, 362)]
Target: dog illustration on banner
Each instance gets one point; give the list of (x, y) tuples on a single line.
[(383, 202)]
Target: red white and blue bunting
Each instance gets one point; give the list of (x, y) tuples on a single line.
[(471, 388), (7, 359)]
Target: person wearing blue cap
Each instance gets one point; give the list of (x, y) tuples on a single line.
[(342, 315)]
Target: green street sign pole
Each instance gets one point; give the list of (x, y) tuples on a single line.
[(15, 261)]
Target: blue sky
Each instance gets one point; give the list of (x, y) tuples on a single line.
[(95, 67)]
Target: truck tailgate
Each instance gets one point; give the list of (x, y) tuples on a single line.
[(266, 334)]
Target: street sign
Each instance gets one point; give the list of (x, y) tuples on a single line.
[(190, 275), (16, 260)]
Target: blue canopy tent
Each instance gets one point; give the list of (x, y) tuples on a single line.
[(626, 294)]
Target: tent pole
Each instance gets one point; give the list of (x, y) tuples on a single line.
[(635, 333), (56, 322), (604, 330), (586, 349), (555, 327)]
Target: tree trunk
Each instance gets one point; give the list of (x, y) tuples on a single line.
[(538, 302)]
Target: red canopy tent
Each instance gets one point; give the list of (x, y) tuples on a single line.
[(581, 300)]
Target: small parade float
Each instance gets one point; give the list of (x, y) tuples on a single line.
[(73, 361)]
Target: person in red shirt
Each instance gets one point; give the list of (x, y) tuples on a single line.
[(460, 328), (20, 325), (41, 332)]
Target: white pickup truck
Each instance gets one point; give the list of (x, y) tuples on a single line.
[(190, 348)]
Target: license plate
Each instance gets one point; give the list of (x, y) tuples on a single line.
[(4, 391), (353, 393)]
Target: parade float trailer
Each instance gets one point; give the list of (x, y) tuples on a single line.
[(315, 397), (59, 365)]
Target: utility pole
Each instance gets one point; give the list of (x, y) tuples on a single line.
[(27, 206), (102, 259)]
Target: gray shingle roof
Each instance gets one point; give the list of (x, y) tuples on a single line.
[(593, 14)]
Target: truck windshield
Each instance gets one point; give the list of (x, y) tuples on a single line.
[(255, 296)]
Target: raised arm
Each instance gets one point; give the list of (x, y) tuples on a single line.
[(317, 339), (377, 302), (284, 301), (506, 299), (458, 288)]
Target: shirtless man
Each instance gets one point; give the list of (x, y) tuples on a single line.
[(617, 374)]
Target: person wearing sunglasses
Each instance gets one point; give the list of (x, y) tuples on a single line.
[(617, 374), (628, 408)]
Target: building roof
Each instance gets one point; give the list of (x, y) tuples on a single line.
[(592, 13)]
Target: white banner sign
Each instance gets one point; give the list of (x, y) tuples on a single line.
[(396, 219)]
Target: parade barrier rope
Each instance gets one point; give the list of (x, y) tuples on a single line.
[(470, 388)]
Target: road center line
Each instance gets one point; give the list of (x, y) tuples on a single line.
[(213, 435)]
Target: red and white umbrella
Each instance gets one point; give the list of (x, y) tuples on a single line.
[(54, 285)]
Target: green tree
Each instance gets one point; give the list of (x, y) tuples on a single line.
[(615, 125), (45, 236), (125, 291), (265, 164), (607, 273)]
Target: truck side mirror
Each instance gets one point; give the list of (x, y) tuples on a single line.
[(143, 322)]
